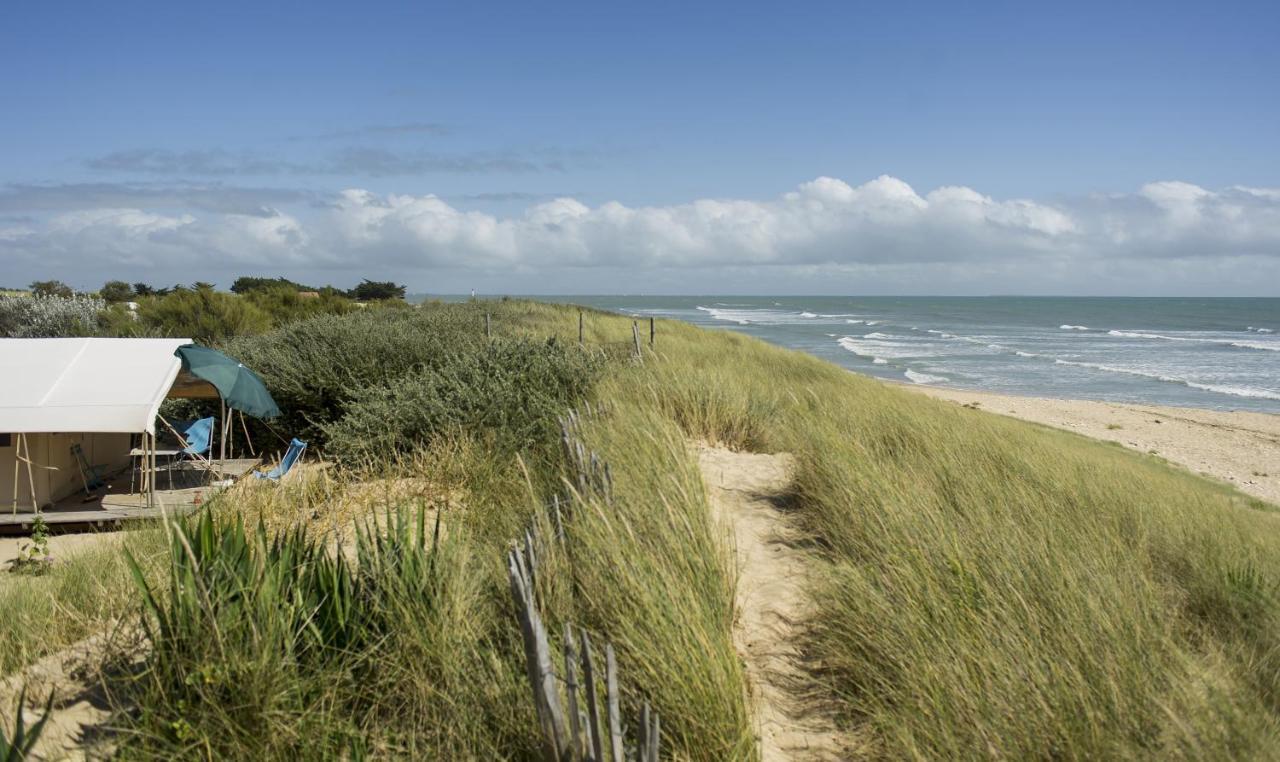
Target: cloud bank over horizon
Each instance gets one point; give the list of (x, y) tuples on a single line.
[(825, 225)]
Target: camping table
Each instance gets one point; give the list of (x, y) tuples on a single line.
[(172, 455)]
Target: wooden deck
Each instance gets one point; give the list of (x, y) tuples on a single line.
[(109, 508)]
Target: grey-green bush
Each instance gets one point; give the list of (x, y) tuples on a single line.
[(510, 393), (40, 317)]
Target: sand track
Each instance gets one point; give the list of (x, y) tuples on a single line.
[(748, 492)]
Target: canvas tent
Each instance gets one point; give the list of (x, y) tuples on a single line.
[(93, 392)]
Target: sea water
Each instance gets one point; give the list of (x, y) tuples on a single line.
[(1198, 352)]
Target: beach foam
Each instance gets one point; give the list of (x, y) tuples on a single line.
[(1065, 327), (917, 377)]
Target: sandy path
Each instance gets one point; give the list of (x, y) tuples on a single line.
[(1242, 449), (78, 726), (746, 490), (60, 545)]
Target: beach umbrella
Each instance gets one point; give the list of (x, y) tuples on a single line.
[(241, 389)]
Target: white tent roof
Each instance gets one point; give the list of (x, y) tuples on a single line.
[(85, 385)]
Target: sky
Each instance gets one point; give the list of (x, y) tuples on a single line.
[(833, 148)]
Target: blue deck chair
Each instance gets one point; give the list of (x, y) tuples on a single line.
[(199, 437), (291, 456)]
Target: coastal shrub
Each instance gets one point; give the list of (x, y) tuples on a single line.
[(314, 367), (38, 317), (202, 314), (509, 393), (284, 304)]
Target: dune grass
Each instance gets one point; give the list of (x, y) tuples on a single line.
[(982, 587), (990, 588)]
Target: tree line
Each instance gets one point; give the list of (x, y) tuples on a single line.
[(115, 291), (253, 305)]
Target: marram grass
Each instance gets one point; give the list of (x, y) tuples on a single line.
[(981, 587)]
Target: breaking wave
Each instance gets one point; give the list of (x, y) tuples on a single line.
[(1197, 339), (1234, 391), (917, 377)]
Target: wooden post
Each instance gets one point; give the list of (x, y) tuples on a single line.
[(581, 332), (15, 474), (652, 332), (635, 336), (31, 479), (245, 428), (488, 329)]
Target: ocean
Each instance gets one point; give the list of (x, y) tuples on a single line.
[(1196, 352)]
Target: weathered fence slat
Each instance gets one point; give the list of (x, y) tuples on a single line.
[(542, 677), (593, 702), (564, 738), (611, 693)]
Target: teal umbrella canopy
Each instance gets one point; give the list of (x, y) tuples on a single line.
[(240, 387)]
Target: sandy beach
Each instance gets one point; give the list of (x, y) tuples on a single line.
[(1242, 449)]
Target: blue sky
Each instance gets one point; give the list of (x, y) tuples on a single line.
[(145, 138)]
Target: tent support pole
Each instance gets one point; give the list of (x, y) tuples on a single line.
[(16, 463), (151, 469), (245, 428), (31, 478)]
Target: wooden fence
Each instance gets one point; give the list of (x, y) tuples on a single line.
[(634, 346), (569, 708)]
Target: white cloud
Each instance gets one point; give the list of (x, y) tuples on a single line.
[(824, 222)]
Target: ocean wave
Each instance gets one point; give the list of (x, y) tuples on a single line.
[(924, 378), (1066, 327), (1234, 391), (855, 322), (879, 361), (755, 316), (864, 346), (1260, 330), (1198, 340), (807, 315), (1020, 353), (879, 336)]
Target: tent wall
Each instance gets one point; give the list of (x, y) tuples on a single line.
[(111, 450)]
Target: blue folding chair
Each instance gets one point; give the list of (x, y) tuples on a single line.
[(291, 456), (199, 437)]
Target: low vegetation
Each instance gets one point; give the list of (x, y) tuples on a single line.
[(981, 586)]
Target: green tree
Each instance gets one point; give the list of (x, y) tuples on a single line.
[(116, 291), (51, 288), (372, 291), (246, 284), (142, 289)]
